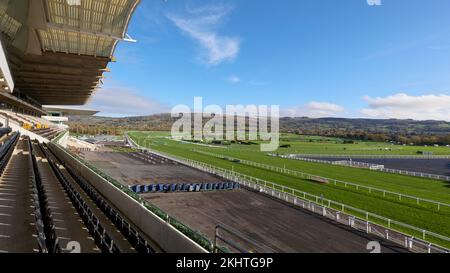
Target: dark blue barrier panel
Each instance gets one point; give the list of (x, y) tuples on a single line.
[(207, 186), (139, 188), (134, 188), (173, 187), (184, 187), (180, 187), (202, 186), (191, 187), (166, 187), (219, 186), (145, 189), (159, 187), (197, 187)]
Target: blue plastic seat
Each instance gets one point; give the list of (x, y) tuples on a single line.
[(138, 189)]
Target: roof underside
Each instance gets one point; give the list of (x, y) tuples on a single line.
[(58, 78), (70, 111), (76, 40)]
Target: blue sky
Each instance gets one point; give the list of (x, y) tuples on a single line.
[(312, 57)]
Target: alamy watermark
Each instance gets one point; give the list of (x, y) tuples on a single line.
[(242, 123)]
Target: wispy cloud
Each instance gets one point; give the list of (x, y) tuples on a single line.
[(314, 109), (120, 102), (201, 24), (234, 79), (403, 106)]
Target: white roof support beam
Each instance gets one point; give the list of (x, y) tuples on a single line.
[(6, 80)]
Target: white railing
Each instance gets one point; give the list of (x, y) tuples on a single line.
[(342, 213), (331, 181), (376, 156), (387, 170)]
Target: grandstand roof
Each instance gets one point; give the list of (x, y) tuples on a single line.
[(58, 49)]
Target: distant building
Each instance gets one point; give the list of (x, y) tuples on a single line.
[(59, 114)]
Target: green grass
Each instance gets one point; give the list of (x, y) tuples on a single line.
[(421, 216)]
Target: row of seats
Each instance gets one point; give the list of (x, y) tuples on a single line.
[(182, 187), (6, 150), (48, 241), (133, 236), (4, 131), (38, 125), (101, 237), (48, 133), (28, 121)]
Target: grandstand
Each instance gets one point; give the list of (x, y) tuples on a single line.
[(55, 52)]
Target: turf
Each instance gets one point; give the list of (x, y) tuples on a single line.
[(422, 216)]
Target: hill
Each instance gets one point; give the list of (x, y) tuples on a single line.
[(404, 131)]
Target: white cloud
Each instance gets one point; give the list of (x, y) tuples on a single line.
[(200, 24), (403, 106), (234, 79), (120, 102), (314, 109)]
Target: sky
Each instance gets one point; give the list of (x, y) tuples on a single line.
[(316, 58)]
